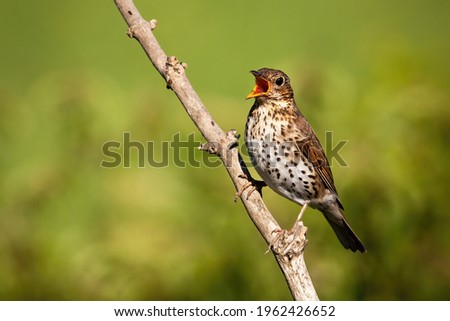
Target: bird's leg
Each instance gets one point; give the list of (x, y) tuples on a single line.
[(295, 228), (253, 184), (285, 240)]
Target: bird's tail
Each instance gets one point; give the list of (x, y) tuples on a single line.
[(344, 232)]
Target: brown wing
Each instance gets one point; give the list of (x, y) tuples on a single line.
[(309, 146)]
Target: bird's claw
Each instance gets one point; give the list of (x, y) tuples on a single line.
[(287, 242), (253, 184)]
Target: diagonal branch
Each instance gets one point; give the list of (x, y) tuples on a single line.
[(223, 145)]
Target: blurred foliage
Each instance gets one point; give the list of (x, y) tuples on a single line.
[(373, 73)]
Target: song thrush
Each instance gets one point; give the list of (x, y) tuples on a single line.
[(288, 156)]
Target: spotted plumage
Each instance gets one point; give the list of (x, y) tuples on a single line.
[(287, 154)]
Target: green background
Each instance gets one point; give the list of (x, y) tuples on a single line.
[(375, 73)]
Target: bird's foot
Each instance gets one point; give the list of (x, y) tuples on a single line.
[(252, 185), (289, 243)]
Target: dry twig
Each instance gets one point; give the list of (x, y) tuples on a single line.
[(223, 145)]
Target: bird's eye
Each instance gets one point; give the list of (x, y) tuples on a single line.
[(279, 81)]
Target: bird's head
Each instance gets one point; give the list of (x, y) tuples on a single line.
[(271, 84)]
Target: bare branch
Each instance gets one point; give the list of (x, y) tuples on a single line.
[(223, 145)]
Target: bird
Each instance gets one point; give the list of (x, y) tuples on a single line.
[(287, 154)]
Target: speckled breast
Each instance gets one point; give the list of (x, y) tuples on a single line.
[(278, 159)]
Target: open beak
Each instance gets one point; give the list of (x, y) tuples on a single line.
[(261, 88)]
